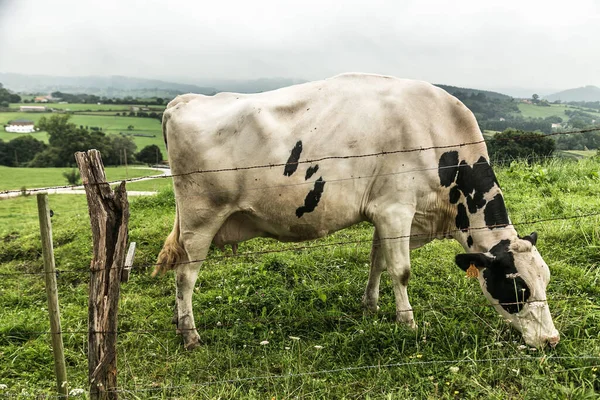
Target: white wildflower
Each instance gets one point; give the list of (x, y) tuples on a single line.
[(521, 347), (454, 370), (294, 337), (76, 392), (219, 323), (318, 347), (287, 348), (264, 342), (219, 297), (3, 386)]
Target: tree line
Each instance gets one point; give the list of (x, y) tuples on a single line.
[(66, 138)]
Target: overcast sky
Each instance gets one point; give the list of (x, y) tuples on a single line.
[(474, 43)]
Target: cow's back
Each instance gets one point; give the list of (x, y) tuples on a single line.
[(332, 128)]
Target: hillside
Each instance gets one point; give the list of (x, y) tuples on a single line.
[(473, 92), (110, 86), (586, 93)]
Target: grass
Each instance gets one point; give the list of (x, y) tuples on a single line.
[(17, 178), (533, 111), (314, 294), (110, 124), (87, 107)]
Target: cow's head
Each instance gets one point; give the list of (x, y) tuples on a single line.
[(514, 277)]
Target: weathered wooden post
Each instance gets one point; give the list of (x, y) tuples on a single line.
[(109, 218), (60, 369)]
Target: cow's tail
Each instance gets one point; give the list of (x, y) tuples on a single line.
[(172, 252)]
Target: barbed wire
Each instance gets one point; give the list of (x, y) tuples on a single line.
[(318, 159), (430, 235), (417, 363), (223, 323)]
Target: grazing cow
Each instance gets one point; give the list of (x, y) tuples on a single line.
[(403, 155)]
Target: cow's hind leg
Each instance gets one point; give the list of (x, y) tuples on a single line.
[(392, 252), (377, 267), (196, 243)]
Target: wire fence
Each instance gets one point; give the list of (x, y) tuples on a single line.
[(432, 235), (541, 360), (340, 315), (308, 161)]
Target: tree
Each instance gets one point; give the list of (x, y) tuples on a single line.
[(150, 155), (65, 139), (515, 144), (119, 147), (535, 98), (5, 156), (72, 176), (25, 148), (130, 127)]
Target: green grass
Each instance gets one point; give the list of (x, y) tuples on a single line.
[(110, 124), (86, 107), (152, 185), (533, 111), (315, 294), (16, 178)]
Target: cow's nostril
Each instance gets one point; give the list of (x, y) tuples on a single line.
[(553, 341)]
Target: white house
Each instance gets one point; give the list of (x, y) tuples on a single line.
[(32, 108), (20, 126)]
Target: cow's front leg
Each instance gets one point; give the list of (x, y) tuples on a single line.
[(393, 252), (371, 295)]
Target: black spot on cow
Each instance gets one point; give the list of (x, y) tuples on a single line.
[(311, 171), (292, 163), (500, 275), (472, 182), (462, 220), (404, 278), (448, 168), (454, 195), (495, 213), (470, 241), (511, 293), (312, 198)]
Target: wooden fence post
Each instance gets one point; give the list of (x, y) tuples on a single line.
[(109, 218), (60, 369)]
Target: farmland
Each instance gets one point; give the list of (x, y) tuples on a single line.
[(534, 111), (307, 305), (110, 124)]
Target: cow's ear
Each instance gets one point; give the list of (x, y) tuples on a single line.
[(479, 260), (531, 238)]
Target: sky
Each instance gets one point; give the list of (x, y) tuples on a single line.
[(472, 43)]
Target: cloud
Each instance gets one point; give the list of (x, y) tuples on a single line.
[(468, 43)]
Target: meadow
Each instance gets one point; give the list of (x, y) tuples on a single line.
[(110, 124), (534, 111), (306, 303)]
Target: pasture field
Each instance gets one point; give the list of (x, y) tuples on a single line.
[(85, 107), (306, 303), (17, 178), (110, 124), (533, 111)]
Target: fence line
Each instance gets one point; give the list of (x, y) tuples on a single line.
[(273, 165), (431, 235), (322, 315), (419, 363)]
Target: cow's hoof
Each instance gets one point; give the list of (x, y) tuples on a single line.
[(406, 319), (192, 343), (370, 305)]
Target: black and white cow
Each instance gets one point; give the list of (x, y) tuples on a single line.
[(354, 128)]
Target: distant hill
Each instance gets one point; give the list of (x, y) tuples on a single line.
[(586, 93), (489, 94), (110, 86), (251, 86)]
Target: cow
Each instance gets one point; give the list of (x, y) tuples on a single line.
[(301, 162)]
